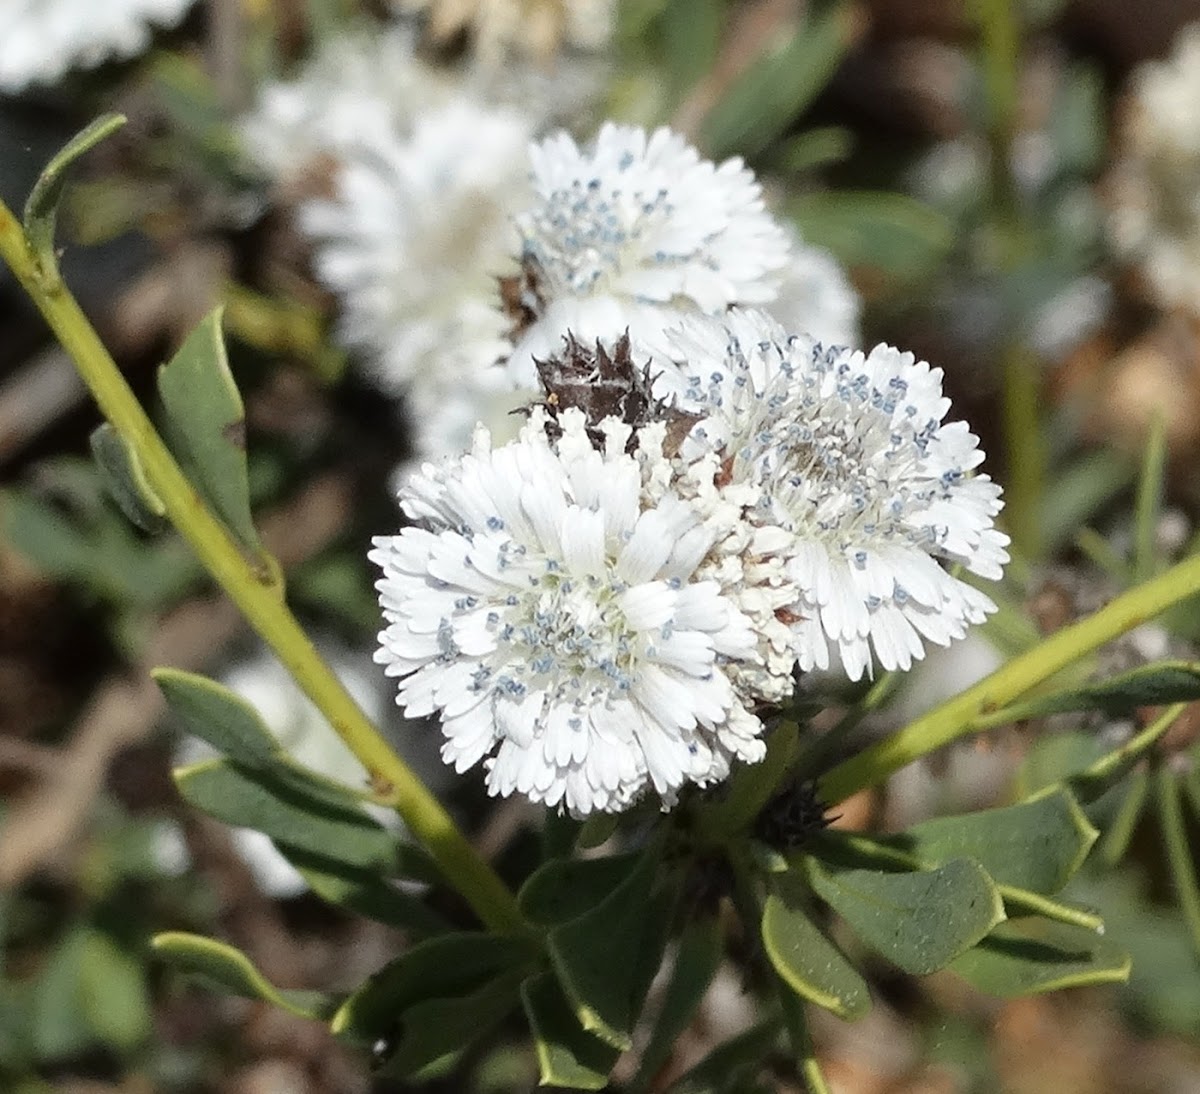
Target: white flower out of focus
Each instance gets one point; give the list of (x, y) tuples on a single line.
[(856, 496), (356, 91), (1155, 184), (636, 231), (413, 241), (547, 610), (40, 40)]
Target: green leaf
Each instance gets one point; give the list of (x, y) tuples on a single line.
[(219, 716), (207, 428), (564, 889), (1078, 490), (596, 955), (567, 1054), (806, 960), (729, 1062), (1037, 845), (1034, 955), (752, 785), (44, 536), (59, 1023), (230, 970), (294, 808), (126, 480), (892, 233), (449, 966), (691, 31), (113, 993), (1054, 759), (434, 1028), (696, 960), (364, 891), (920, 921), (777, 86), (41, 208), (815, 148), (1149, 685)]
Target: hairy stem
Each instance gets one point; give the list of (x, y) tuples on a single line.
[(260, 601)]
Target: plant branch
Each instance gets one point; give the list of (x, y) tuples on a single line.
[(261, 602), (957, 717)]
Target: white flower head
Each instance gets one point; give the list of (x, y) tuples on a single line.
[(858, 495), (413, 240), (41, 39), (547, 610), (1154, 186), (635, 231)]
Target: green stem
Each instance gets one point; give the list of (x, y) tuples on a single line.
[(956, 718), (261, 602), (1179, 855), (1025, 451), (1149, 500)]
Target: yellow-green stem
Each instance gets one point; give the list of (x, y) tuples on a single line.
[(261, 603), (956, 718)]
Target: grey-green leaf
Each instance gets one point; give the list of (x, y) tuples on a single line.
[(596, 956), (294, 808), (920, 921), (449, 966), (1034, 955), (1150, 685), (228, 969), (568, 1056), (126, 480), (206, 425), (364, 891), (434, 1028), (807, 961), (1036, 845), (219, 716), (564, 889), (41, 208)]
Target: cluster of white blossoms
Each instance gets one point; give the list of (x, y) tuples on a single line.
[(1154, 186), (634, 231), (606, 605), (40, 40)]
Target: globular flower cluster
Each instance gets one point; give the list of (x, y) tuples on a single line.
[(40, 40), (1154, 187), (606, 605)]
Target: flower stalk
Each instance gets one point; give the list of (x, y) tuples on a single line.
[(260, 600), (961, 716)]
